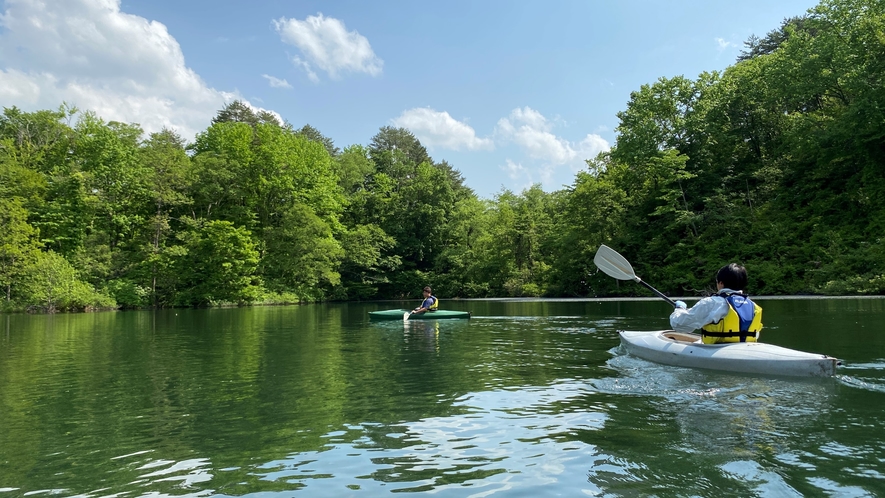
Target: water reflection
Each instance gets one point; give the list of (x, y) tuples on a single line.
[(424, 334), (736, 429), (185, 473), (505, 440), (525, 398)]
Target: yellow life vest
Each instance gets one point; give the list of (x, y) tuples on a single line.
[(740, 324), (435, 305)]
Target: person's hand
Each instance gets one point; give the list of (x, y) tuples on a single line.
[(680, 304)]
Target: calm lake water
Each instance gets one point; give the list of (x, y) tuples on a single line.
[(527, 398)]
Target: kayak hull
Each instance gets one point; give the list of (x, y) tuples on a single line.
[(430, 315), (686, 350)]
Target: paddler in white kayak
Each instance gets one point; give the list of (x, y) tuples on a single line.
[(727, 316), (687, 350)]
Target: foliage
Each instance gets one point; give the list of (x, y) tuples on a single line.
[(780, 154), (366, 261), (219, 265), (50, 283), (775, 162), (755, 46), (241, 112), (314, 135), (301, 254), (18, 243)]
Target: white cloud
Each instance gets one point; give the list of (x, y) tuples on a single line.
[(90, 54), (324, 42), (536, 153), (16, 86), (514, 170), (439, 129), (275, 82), (590, 147), (307, 69), (518, 174), (723, 43), (529, 118), (532, 132)]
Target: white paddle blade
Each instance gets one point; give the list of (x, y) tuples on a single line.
[(613, 264), (406, 315)]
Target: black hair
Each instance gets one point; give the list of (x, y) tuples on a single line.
[(427, 289), (732, 276)]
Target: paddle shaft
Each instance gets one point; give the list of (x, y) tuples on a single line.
[(659, 293)]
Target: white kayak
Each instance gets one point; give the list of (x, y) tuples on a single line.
[(686, 350)]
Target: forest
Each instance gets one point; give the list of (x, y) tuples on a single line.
[(777, 163)]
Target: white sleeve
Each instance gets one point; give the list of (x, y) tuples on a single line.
[(707, 310)]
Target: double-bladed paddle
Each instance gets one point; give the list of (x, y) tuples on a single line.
[(616, 266)]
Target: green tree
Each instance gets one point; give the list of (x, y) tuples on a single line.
[(40, 141), (291, 169), (514, 250), (397, 152), (314, 135), (366, 262), (108, 155), (169, 183), (352, 168), (18, 243), (52, 284), (459, 263), (592, 212), (219, 265), (112, 197), (222, 158), (755, 46), (301, 254), (418, 216), (240, 112)]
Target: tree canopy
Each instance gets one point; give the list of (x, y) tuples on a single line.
[(777, 162)]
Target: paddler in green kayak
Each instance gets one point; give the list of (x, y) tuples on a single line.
[(727, 316), (430, 303)]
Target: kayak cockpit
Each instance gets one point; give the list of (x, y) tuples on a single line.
[(682, 337)]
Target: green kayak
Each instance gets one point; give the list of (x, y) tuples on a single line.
[(434, 315)]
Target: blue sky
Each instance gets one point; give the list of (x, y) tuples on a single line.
[(510, 93)]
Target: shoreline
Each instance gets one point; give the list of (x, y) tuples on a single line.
[(467, 299)]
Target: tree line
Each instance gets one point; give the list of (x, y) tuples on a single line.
[(777, 162)]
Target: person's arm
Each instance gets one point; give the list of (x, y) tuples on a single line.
[(707, 310), (424, 307)]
